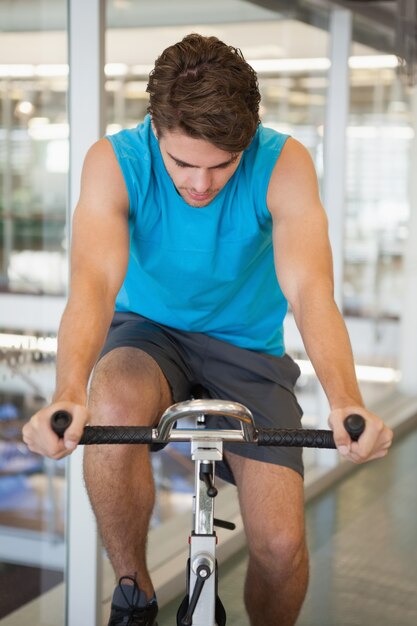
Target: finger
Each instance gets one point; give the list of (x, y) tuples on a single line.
[(60, 455), (373, 437), (355, 457), (51, 446), (380, 439), (376, 455), (49, 443), (388, 436), (342, 439), (40, 438), (75, 430), (380, 450)]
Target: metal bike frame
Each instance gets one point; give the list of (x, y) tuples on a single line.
[(203, 538), (206, 450)]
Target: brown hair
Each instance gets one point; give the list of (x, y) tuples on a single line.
[(205, 89)]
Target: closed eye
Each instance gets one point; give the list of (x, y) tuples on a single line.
[(220, 166)]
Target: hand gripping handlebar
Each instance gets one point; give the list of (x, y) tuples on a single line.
[(165, 431)]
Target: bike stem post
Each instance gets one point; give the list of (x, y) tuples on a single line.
[(203, 538)]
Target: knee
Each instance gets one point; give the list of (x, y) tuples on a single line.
[(127, 387), (283, 550)]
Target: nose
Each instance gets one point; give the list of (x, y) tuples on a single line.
[(201, 181)]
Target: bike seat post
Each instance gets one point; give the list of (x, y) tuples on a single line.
[(200, 393)]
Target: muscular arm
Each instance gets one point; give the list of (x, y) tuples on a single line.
[(303, 263), (99, 257)]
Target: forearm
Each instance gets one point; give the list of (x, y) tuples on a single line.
[(328, 346), (303, 263), (81, 336)]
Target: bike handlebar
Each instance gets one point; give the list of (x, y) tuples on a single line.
[(299, 438), (306, 438)]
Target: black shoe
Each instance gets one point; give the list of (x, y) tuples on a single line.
[(144, 616), (131, 614)]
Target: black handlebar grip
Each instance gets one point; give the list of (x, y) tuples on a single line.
[(355, 425), (60, 421), (297, 438), (116, 434)]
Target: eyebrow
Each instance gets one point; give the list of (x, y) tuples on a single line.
[(213, 167)]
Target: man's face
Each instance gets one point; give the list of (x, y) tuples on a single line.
[(198, 169)]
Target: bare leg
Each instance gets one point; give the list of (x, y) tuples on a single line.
[(128, 388), (272, 505)]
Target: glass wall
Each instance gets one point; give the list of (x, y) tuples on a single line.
[(33, 164), (33, 191), (379, 136)]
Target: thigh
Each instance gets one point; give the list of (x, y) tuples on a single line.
[(271, 499), (129, 330)]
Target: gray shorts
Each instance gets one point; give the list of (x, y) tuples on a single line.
[(262, 382)]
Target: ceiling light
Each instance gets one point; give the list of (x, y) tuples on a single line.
[(378, 61), (115, 69)]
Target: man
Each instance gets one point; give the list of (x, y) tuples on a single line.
[(198, 227)]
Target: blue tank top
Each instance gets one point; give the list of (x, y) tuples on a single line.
[(211, 269)]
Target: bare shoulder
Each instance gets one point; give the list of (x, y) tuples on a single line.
[(102, 179), (293, 182), (294, 161), (101, 152)]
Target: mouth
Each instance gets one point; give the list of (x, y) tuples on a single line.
[(199, 197)]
